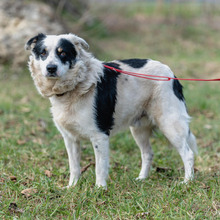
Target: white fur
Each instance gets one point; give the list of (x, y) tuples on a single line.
[(73, 113)]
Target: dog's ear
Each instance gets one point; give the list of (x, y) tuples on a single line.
[(30, 44), (79, 41)]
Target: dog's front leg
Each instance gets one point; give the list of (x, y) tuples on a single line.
[(73, 151), (101, 149)]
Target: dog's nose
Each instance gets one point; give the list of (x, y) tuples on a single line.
[(51, 68)]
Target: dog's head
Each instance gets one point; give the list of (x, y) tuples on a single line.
[(56, 54)]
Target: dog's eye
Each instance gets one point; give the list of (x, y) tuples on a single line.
[(43, 53), (63, 54)]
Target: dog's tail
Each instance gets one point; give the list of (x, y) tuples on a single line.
[(192, 143)]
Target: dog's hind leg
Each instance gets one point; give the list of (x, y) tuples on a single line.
[(141, 136), (175, 127)]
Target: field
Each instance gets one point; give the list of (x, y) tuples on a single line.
[(32, 152)]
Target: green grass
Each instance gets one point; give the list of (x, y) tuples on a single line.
[(30, 143)]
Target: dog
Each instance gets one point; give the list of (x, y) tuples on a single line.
[(90, 101)]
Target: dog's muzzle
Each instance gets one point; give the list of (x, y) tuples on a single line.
[(52, 70)]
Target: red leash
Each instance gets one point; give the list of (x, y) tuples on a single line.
[(155, 77)]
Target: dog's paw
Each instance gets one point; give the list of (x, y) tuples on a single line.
[(104, 188), (69, 186), (185, 182), (140, 178), (101, 185), (66, 187), (182, 183)]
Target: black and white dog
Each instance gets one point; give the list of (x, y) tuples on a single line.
[(90, 101)]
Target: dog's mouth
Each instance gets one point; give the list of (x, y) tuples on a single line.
[(52, 75)]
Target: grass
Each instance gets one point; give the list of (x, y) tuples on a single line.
[(31, 145)]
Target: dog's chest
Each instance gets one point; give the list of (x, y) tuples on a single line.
[(74, 118)]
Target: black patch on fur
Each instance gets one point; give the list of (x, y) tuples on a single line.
[(39, 47), (135, 63), (69, 50), (106, 97), (36, 38), (178, 90)]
